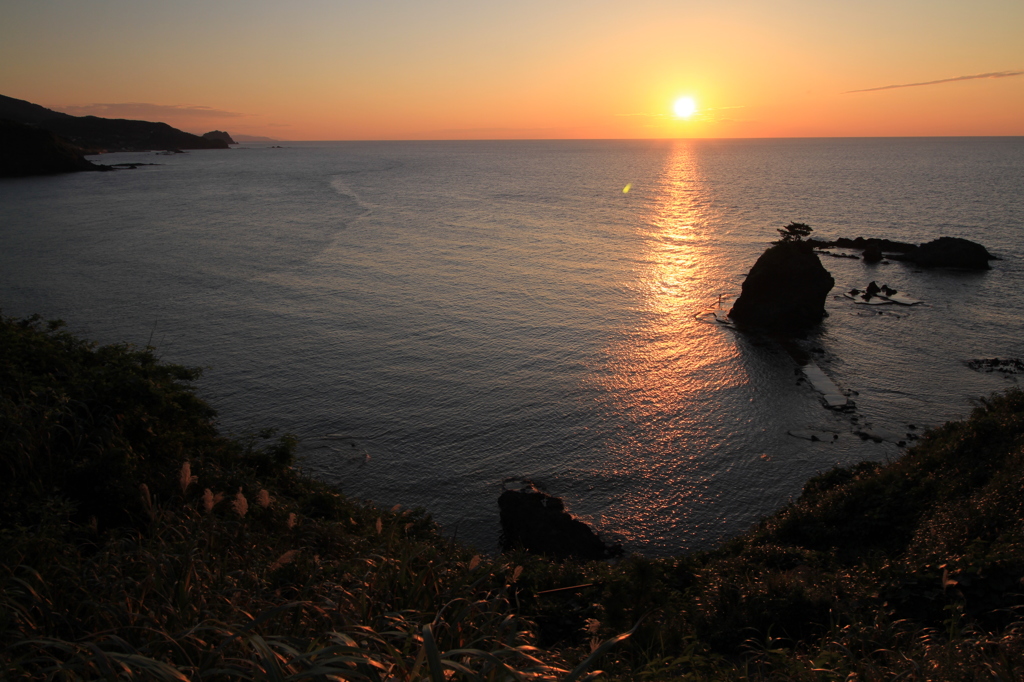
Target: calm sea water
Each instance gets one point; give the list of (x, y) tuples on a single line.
[(434, 318)]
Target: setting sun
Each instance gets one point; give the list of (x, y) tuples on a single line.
[(684, 107)]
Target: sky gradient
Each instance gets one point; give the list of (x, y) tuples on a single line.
[(396, 69)]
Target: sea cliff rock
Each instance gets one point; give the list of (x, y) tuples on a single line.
[(26, 151), (218, 135), (785, 291), (952, 252), (538, 523)]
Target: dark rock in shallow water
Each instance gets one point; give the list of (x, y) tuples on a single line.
[(944, 252), (539, 524), (785, 290), (872, 253), (1004, 366), (952, 252), (885, 245)]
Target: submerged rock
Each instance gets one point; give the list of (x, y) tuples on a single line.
[(785, 290), (538, 523), (1003, 365), (833, 397)]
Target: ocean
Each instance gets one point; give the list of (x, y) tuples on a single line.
[(437, 320)]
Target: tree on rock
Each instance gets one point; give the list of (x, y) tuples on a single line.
[(795, 232)]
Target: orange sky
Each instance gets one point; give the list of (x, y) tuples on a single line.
[(390, 69)]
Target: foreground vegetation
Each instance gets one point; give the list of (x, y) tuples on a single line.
[(138, 543)]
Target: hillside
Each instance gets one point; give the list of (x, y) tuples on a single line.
[(94, 135), (139, 543), (25, 151), (25, 112)]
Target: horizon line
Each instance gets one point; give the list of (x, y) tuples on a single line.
[(632, 139)]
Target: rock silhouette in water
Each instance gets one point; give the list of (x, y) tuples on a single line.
[(538, 523), (785, 291), (872, 253), (953, 252), (944, 252)]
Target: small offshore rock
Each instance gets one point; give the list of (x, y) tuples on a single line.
[(538, 523)]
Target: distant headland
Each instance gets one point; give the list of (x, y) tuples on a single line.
[(36, 140), (218, 135)]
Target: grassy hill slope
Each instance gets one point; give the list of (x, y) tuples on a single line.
[(136, 542)]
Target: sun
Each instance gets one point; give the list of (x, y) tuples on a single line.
[(684, 107)]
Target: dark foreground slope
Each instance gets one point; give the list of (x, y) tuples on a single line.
[(138, 543), (95, 135), (25, 151)]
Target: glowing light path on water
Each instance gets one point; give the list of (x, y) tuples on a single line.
[(661, 373)]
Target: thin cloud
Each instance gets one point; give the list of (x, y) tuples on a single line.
[(994, 74), (145, 111)]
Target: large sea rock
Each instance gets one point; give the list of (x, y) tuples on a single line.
[(785, 291), (538, 523), (952, 252)]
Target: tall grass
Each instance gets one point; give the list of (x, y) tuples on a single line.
[(138, 543), (248, 592)]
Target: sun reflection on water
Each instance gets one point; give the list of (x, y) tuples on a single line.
[(659, 379)]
